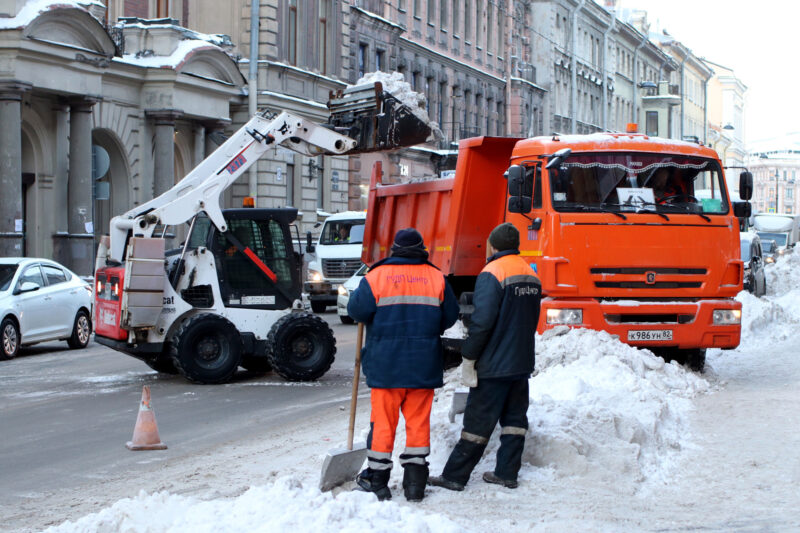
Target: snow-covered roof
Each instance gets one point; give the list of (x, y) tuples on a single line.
[(34, 8)]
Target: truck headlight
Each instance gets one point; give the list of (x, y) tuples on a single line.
[(313, 275), (342, 291), (727, 317), (565, 316)]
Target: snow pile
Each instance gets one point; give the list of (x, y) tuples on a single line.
[(599, 408), (456, 331), (784, 275), (395, 84), (286, 505)]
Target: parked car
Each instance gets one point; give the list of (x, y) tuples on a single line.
[(41, 300), (755, 280), (344, 293)]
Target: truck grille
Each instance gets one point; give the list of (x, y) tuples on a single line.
[(340, 268), (648, 278)]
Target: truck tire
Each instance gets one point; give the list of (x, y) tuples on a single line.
[(256, 364), (318, 307), (301, 347), (206, 349), (81, 331), (9, 339)]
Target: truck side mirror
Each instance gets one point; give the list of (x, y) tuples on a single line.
[(742, 209), (520, 187), (745, 185), (309, 246)]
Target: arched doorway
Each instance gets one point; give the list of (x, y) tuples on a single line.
[(30, 240), (112, 194)]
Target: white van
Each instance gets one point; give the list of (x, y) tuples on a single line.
[(335, 257), (783, 229)]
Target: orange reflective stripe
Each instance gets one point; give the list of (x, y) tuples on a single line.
[(407, 284)]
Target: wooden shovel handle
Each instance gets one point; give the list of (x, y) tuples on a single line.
[(356, 378)]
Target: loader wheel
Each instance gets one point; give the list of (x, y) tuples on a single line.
[(206, 349), (256, 364), (301, 347)]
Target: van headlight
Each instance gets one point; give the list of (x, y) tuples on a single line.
[(727, 317), (769, 259), (342, 291), (314, 275), (565, 316)]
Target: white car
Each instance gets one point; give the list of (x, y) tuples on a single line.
[(344, 294), (41, 300)]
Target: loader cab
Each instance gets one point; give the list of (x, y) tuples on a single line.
[(242, 282)]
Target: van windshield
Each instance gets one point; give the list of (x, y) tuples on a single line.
[(342, 232), (666, 183), (779, 238)]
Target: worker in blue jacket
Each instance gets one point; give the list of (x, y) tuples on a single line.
[(406, 304), (498, 359)]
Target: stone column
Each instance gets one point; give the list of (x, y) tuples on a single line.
[(80, 224), (199, 144), (164, 154), (11, 221)]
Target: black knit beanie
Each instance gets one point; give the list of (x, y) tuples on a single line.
[(408, 243), (504, 237)]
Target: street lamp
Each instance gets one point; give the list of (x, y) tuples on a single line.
[(777, 176)]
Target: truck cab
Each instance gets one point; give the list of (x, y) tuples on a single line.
[(783, 229), (336, 257)]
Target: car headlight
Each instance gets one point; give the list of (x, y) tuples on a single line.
[(313, 275), (727, 317), (769, 259), (342, 291), (565, 316)]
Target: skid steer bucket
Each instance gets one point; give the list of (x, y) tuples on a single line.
[(375, 119)]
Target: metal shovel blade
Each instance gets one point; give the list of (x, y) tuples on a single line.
[(459, 404), (341, 466)]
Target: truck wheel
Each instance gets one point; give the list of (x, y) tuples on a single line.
[(346, 319), (301, 347), (256, 364), (81, 331), (206, 348), (9, 339), (318, 307), (162, 364)]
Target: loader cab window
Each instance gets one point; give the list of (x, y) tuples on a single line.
[(199, 236), (342, 232), (630, 182)]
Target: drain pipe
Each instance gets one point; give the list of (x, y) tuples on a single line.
[(252, 87), (604, 86), (574, 92)]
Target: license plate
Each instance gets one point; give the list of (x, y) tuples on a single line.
[(650, 335)]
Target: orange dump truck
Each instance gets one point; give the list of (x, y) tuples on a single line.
[(629, 234)]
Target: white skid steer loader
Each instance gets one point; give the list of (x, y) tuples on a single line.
[(230, 296)]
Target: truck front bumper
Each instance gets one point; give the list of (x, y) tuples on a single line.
[(322, 291), (647, 324)]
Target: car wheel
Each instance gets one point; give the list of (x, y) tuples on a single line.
[(206, 349), (301, 347), (9, 339), (318, 307), (81, 331), (346, 319)]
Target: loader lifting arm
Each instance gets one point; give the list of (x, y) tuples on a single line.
[(376, 119)]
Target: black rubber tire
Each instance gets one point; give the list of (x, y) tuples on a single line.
[(318, 307), (301, 347), (9, 339), (256, 364), (206, 349), (346, 319), (81, 331), (162, 364)]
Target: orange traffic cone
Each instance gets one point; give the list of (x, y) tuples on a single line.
[(145, 433)]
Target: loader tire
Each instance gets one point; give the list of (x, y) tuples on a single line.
[(301, 347), (206, 349)]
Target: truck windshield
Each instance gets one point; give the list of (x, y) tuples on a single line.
[(779, 238), (6, 275), (342, 232), (665, 183)]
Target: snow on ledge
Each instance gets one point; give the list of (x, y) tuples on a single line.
[(174, 60), (34, 8)]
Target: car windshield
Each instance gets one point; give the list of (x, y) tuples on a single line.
[(6, 275), (638, 181), (779, 238), (342, 232)]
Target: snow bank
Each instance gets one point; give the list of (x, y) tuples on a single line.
[(286, 505), (784, 275), (599, 408)]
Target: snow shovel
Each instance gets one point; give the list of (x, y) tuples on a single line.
[(341, 466)]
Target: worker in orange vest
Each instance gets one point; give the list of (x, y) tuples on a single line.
[(406, 304)]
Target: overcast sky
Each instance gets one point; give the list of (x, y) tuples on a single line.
[(757, 39)]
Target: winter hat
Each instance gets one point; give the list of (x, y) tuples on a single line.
[(408, 238), (504, 237)]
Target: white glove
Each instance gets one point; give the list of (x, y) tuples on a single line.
[(469, 376)]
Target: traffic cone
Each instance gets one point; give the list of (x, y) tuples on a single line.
[(145, 433)]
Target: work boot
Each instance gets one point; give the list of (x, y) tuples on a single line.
[(490, 477), (441, 481), (414, 479), (375, 481)]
